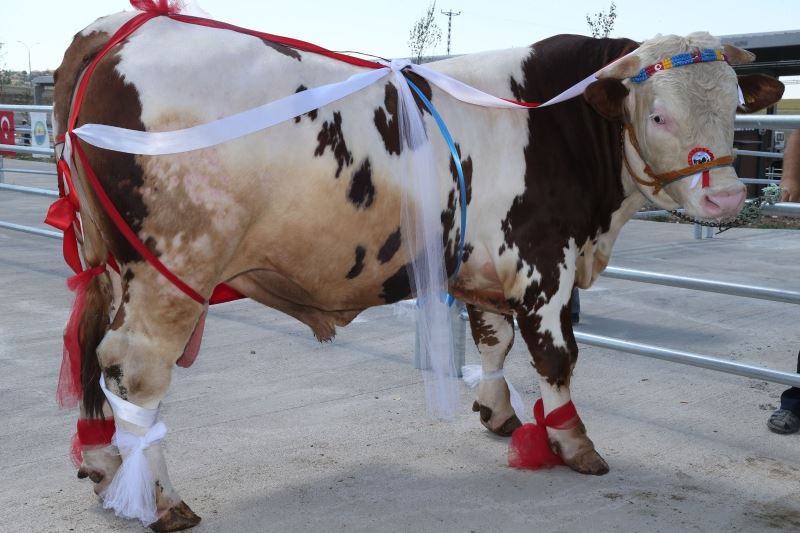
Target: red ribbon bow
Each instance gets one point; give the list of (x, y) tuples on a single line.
[(530, 445), (162, 7)]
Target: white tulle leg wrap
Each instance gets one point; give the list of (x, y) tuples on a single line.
[(473, 374), (131, 493)]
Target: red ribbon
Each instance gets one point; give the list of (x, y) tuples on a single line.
[(162, 7), (530, 445), (69, 389)]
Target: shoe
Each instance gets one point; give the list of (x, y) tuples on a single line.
[(784, 421)]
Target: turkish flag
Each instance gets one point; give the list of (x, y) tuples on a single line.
[(7, 130)]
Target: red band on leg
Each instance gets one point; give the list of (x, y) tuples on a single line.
[(530, 445), (91, 432)]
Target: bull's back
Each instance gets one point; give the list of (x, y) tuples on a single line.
[(311, 199)]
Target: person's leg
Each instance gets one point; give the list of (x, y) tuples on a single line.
[(575, 306), (790, 399), (787, 418)]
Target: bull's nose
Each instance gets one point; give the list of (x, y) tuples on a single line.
[(723, 204)]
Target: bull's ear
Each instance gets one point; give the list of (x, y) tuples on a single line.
[(625, 67), (736, 55), (759, 91), (606, 96)]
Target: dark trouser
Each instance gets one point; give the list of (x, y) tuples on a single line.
[(575, 303), (790, 399)]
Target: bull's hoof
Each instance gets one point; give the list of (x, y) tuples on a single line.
[(588, 462), (94, 475), (176, 518), (509, 426), (505, 429)]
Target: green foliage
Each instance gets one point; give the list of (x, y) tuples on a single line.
[(602, 23), (424, 34)]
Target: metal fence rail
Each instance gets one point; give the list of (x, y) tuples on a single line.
[(688, 358), (719, 287), (29, 190)]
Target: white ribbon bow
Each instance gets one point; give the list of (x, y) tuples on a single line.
[(131, 493)]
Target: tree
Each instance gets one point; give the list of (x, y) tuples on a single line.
[(602, 23), (5, 76), (425, 34)]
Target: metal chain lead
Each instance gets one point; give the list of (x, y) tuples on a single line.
[(750, 213)]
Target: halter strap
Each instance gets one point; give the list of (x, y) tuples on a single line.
[(658, 181)]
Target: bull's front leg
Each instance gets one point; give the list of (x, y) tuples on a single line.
[(493, 335), (554, 352)]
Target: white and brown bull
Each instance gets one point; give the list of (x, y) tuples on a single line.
[(304, 216)]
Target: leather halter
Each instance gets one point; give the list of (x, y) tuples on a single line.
[(658, 181)]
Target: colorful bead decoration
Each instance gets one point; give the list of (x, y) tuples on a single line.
[(679, 60)]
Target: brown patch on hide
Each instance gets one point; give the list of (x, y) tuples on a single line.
[(359, 265), (387, 121), (283, 49), (390, 247), (113, 373), (387, 118), (110, 100), (362, 191), (119, 318), (77, 57), (396, 287), (482, 332), (331, 136), (311, 114)]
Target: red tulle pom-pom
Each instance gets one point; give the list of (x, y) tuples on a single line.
[(69, 389), (530, 449), (162, 7), (530, 445)]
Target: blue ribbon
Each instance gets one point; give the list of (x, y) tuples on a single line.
[(460, 171)]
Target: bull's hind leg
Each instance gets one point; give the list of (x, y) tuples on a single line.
[(100, 459), (493, 335), (136, 358), (554, 355)]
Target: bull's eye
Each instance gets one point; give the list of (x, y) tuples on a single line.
[(657, 119)]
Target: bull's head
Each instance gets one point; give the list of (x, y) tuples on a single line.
[(678, 135)]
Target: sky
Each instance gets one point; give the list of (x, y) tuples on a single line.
[(381, 27)]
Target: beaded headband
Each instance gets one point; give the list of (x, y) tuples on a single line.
[(679, 60)]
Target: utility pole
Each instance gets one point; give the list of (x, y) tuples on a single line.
[(450, 14), (30, 74)]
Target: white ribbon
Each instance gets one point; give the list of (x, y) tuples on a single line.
[(288, 107), (125, 410), (473, 374), (227, 128), (471, 95), (131, 493)]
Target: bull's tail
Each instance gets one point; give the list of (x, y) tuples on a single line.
[(90, 318), (93, 324)]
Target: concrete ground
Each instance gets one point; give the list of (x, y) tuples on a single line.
[(271, 431)]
